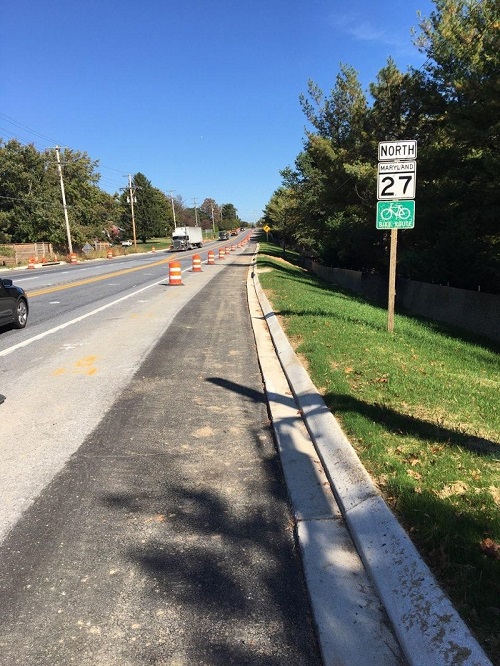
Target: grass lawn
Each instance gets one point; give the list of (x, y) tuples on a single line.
[(421, 407)]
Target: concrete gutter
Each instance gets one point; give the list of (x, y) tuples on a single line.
[(347, 612), (428, 627)]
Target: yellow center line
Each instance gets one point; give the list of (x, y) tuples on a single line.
[(98, 278)]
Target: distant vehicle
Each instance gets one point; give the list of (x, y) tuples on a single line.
[(127, 243), (13, 304), (187, 238), (223, 235)]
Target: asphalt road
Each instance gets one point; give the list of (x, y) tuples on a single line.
[(59, 292), (165, 536)]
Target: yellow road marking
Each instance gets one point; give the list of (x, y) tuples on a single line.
[(98, 278), (84, 366)]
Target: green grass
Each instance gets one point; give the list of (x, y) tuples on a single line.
[(421, 408)]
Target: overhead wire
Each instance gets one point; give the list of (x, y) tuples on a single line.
[(104, 181), (50, 143)]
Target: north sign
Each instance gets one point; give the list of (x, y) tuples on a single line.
[(396, 180), (397, 150)]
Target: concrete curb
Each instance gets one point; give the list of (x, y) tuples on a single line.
[(428, 628), (347, 611)]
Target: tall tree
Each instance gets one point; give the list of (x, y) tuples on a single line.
[(211, 210), (229, 217), (461, 39), (336, 177), (152, 209), (30, 196)]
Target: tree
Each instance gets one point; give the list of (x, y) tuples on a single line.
[(152, 209), (282, 215), (30, 196), (229, 217), (25, 202), (334, 178), (210, 208), (451, 105), (462, 42)]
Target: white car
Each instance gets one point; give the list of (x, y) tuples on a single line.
[(127, 243)]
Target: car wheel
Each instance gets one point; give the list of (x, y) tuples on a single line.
[(21, 314)]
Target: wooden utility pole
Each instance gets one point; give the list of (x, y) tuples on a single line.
[(392, 280), (131, 195), (195, 214), (173, 207), (213, 219), (63, 195)]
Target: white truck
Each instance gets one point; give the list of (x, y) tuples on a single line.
[(187, 238)]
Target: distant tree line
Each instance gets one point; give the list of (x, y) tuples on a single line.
[(451, 106), (31, 208)]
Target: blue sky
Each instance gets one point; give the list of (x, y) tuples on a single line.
[(202, 96)]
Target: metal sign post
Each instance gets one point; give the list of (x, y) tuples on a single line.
[(396, 183)]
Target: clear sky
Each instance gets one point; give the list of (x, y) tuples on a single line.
[(201, 96)]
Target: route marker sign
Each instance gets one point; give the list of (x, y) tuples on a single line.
[(396, 214), (396, 180)]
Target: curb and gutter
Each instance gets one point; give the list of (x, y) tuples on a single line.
[(427, 627)]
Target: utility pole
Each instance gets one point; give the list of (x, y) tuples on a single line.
[(195, 214), (131, 197), (213, 220), (63, 195), (173, 207)]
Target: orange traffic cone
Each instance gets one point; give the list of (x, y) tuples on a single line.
[(31, 262), (211, 258), (222, 254)]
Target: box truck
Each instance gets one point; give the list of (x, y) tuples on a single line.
[(187, 238)]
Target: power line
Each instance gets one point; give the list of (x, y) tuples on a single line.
[(26, 128), (37, 202), (50, 141)]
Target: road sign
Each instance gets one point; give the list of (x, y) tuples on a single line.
[(267, 229), (395, 214), (397, 150), (396, 180)]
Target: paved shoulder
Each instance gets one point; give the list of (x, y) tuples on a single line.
[(167, 538)]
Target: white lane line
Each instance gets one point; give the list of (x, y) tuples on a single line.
[(25, 343)]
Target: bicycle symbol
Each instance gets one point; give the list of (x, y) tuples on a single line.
[(395, 210)]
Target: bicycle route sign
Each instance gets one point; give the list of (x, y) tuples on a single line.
[(396, 214)]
